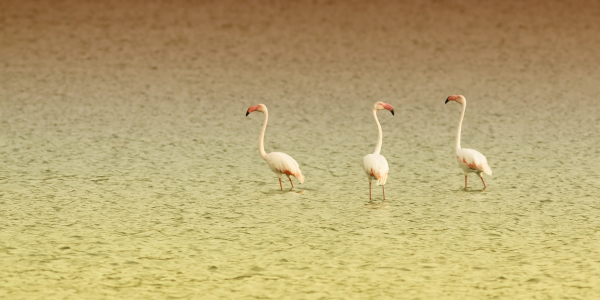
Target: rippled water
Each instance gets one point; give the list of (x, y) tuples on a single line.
[(129, 168)]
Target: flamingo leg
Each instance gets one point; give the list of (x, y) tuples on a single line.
[(290, 178), (370, 198), (383, 187), (484, 186), (465, 181), (280, 185)]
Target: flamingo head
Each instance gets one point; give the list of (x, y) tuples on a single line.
[(383, 105), (458, 98), (260, 107)]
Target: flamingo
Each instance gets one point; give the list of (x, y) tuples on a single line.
[(375, 165), (468, 159), (279, 162)]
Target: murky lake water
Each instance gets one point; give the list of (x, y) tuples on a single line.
[(129, 168)]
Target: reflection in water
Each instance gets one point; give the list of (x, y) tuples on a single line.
[(377, 205), (474, 190)]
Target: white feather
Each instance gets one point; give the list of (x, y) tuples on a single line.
[(376, 167), (281, 163), (472, 161)]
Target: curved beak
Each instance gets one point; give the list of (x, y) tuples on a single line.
[(388, 107), (446, 100), (251, 109)]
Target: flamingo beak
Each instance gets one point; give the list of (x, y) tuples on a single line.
[(251, 109), (452, 98), (388, 107)]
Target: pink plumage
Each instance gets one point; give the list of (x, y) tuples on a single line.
[(472, 161), (280, 163)]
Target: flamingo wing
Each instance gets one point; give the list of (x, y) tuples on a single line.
[(282, 163), (473, 161), (376, 167)]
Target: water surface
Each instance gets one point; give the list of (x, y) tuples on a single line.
[(129, 168)]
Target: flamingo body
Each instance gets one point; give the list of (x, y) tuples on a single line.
[(472, 161), (279, 162), (376, 167)]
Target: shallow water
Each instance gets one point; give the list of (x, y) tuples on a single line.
[(129, 168)]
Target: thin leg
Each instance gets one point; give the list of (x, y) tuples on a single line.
[(383, 187), (370, 198), (280, 185), (465, 181), (484, 186), (290, 178)]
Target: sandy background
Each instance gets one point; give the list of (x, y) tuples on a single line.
[(129, 170)]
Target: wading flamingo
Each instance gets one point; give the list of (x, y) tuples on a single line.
[(279, 162), (468, 159), (375, 165)]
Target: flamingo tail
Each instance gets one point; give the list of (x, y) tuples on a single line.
[(299, 176), (487, 169), (382, 179)]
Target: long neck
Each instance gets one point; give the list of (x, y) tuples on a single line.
[(379, 134), (462, 115), (261, 142)]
